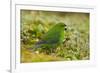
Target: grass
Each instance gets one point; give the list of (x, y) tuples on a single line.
[(34, 24), (29, 56)]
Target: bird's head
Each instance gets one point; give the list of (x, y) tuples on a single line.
[(62, 25)]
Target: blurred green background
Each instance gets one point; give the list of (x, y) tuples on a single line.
[(34, 24)]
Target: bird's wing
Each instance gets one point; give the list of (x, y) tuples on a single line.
[(41, 42), (49, 41)]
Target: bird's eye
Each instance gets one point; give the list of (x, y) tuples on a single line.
[(65, 25)]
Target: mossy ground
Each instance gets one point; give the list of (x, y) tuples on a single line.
[(34, 24)]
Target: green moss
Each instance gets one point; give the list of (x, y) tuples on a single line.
[(34, 24)]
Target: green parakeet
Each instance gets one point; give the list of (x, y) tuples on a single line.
[(53, 38)]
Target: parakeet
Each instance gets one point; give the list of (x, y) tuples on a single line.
[(53, 38)]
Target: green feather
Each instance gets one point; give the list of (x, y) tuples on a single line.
[(53, 38)]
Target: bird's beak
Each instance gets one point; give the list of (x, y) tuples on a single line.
[(65, 27)]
